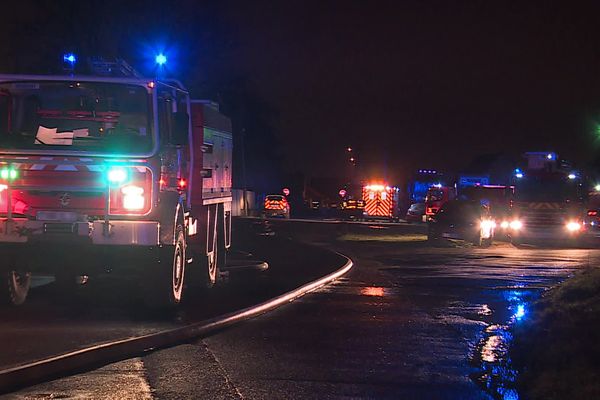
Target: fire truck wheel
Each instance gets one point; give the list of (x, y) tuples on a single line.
[(215, 262), (486, 242), (432, 236), (15, 286), (178, 269), (477, 241), (163, 286)]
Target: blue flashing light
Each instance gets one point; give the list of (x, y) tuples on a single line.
[(518, 173), (117, 175), (70, 58), (161, 59)]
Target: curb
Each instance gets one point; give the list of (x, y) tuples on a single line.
[(95, 356)]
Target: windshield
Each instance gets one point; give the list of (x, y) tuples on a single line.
[(547, 190), (461, 209), (75, 116), (435, 195)]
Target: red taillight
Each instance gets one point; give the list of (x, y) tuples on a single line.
[(592, 213)]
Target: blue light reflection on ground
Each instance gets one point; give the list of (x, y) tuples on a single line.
[(497, 373)]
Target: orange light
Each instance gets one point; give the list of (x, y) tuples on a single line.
[(182, 183), (373, 291)]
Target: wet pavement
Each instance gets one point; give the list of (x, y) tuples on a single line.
[(409, 321), (111, 308)]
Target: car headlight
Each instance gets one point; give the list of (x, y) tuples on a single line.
[(516, 225), (504, 224), (573, 226)]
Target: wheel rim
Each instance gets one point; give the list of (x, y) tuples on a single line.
[(212, 266), (178, 271), (19, 279), (18, 283)]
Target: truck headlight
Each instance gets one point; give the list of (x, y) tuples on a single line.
[(573, 226), (515, 225), (487, 227), (133, 197), (488, 224)]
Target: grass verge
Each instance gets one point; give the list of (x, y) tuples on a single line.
[(557, 351)]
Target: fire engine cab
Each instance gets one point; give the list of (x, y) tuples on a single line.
[(436, 197), (104, 172)]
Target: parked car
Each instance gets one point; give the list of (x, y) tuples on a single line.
[(276, 205), (462, 219), (415, 212)]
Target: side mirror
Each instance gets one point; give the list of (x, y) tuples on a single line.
[(181, 123)]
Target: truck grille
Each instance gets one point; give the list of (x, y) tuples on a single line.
[(542, 214)]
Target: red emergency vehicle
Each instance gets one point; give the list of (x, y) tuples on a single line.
[(436, 197), (276, 205), (101, 173), (380, 201)]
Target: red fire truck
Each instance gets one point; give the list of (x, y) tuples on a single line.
[(436, 197), (108, 172), (380, 201)]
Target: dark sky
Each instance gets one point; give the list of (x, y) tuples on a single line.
[(426, 84), (407, 84)]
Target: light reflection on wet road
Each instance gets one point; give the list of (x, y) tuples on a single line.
[(496, 287), (477, 293)]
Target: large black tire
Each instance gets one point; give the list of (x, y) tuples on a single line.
[(432, 236), (476, 240), (14, 287), (164, 285), (215, 262), (179, 262), (516, 241)]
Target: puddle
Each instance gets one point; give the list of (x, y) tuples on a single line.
[(497, 374)]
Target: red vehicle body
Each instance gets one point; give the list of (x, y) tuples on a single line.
[(380, 202), (276, 205), (549, 202), (98, 170), (436, 197)]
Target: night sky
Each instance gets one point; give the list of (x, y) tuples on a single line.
[(407, 84)]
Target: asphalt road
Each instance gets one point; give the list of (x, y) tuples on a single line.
[(409, 321), (111, 307)]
